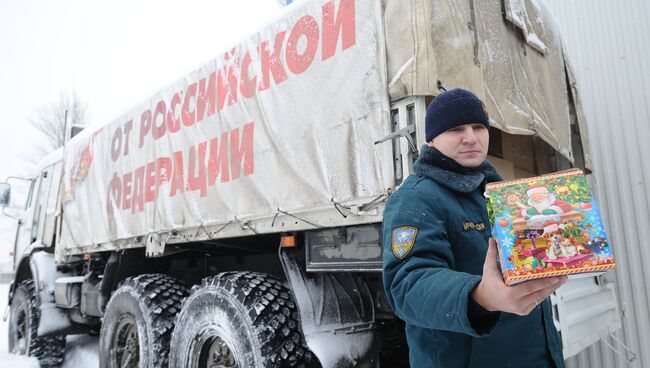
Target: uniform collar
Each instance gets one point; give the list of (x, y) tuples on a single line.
[(449, 173)]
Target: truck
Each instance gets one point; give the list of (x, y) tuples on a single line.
[(234, 218)]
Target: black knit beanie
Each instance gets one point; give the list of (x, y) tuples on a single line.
[(453, 108)]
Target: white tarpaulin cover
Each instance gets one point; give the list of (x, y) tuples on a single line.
[(507, 51), (284, 120)]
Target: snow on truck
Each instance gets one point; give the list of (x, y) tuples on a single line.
[(234, 218)]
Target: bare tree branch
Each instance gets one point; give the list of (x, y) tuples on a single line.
[(50, 123)]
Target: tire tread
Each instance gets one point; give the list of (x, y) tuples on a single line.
[(162, 297), (274, 315), (50, 351)]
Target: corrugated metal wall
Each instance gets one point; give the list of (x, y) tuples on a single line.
[(608, 43)]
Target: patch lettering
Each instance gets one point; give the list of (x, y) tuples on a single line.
[(469, 225), (403, 240)]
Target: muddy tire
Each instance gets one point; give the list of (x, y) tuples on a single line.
[(239, 319), (138, 322), (23, 327)]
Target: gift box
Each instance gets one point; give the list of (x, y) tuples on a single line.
[(547, 226)]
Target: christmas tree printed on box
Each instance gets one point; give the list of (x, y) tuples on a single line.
[(547, 226)]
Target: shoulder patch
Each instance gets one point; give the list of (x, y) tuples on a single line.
[(403, 240)]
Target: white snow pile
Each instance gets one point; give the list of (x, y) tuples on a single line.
[(18, 361), (331, 348), (81, 351)]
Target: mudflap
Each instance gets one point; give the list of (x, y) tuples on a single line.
[(336, 312)]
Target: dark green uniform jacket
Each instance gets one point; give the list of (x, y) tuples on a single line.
[(435, 234)]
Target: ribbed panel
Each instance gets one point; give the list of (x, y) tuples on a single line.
[(608, 43)]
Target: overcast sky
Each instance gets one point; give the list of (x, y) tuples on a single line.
[(113, 54)]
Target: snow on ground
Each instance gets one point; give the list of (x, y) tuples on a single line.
[(4, 326), (82, 351), (17, 361)]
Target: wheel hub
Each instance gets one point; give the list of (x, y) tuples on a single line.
[(217, 354), (22, 331), (126, 348)]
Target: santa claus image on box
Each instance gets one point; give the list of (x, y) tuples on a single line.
[(542, 202)]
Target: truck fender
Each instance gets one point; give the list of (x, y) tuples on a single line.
[(44, 272), (336, 309), (24, 269), (119, 266)]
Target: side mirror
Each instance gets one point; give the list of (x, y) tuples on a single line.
[(5, 194)]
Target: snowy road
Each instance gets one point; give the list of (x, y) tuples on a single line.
[(81, 350)]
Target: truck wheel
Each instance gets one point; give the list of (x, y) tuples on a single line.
[(139, 318), (239, 319), (23, 326)]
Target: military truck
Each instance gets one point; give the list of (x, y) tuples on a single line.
[(234, 218)]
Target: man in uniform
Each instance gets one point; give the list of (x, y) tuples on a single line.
[(440, 264)]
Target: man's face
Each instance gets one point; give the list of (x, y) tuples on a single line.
[(466, 144)]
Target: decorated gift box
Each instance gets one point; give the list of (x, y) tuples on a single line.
[(547, 226)]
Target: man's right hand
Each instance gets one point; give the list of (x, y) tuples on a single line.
[(494, 295)]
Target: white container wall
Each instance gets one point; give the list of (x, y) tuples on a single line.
[(608, 43)]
